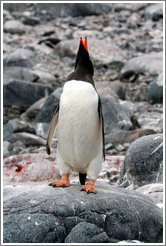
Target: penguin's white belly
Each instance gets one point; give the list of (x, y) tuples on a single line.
[(79, 128)]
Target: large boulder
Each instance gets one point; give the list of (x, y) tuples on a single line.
[(37, 213), (151, 63), (21, 93), (143, 162)]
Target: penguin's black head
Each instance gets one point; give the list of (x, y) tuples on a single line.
[(83, 61), (83, 66)]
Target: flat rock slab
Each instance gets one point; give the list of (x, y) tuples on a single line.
[(37, 213)]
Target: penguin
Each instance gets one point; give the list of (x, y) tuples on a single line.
[(80, 125)]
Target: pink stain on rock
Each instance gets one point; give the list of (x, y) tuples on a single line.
[(31, 167)]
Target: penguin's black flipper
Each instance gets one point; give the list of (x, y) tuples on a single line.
[(82, 178), (102, 123), (53, 125)]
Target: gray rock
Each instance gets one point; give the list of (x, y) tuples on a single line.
[(143, 162), (20, 57), (154, 12), (16, 125), (44, 77), (40, 224), (87, 233), (22, 93), (48, 109), (14, 27), (27, 138), (155, 94), (28, 75), (115, 116), (111, 90), (151, 63), (34, 109), (33, 212), (6, 145), (50, 11), (19, 73), (155, 191)]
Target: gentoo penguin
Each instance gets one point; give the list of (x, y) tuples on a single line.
[(80, 125)]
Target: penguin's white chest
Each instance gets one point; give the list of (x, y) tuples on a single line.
[(79, 128)]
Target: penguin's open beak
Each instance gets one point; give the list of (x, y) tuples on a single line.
[(85, 43)]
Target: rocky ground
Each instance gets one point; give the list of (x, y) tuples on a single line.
[(126, 46)]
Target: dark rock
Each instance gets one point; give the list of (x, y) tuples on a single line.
[(33, 212), (37, 229), (24, 93), (115, 116), (70, 222), (14, 27), (154, 12), (87, 233), (48, 109), (31, 21), (48, 33), (143, 162), (20, 57), (51, 42), (155, 94)]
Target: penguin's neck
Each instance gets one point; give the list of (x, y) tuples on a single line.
[(81, 74)]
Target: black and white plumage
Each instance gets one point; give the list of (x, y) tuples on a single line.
[(80, 124)]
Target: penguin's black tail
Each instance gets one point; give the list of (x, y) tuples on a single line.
[(82, 178)]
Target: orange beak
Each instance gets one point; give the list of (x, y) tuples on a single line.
[(85, 44)]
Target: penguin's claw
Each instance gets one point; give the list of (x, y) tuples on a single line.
[(63, 182), (89, 187)]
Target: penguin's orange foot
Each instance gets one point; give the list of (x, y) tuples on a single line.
[(89, 187), (63, 182)]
